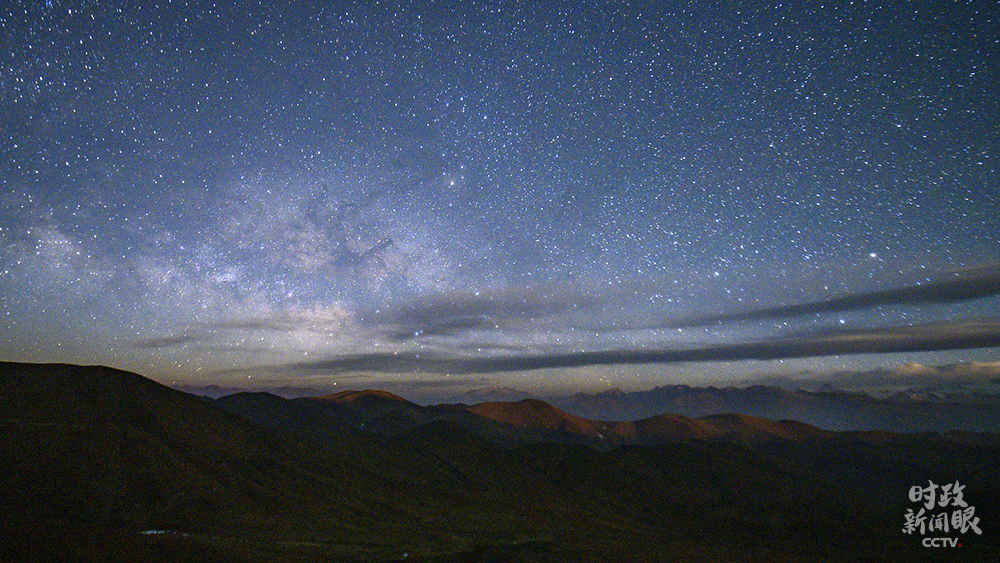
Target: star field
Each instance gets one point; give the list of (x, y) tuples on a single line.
[(208, 191)]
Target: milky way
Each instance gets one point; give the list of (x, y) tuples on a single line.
[(218, 192)]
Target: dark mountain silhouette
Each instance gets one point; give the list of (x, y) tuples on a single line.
[(98, 464), (532, 413), (383, 415)]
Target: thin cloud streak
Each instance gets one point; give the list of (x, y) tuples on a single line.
[(171, 341), (970, 284), (981, 333)]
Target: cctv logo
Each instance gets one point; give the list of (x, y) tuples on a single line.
[(931, 519), (941, 542)]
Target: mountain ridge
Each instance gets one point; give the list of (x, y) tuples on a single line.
[(827, 409), (947, 405)]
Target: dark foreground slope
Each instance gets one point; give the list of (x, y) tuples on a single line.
[(102, 465)]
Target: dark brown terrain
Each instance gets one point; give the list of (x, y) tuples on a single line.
[(98, 464)]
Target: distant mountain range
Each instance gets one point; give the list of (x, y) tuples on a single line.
[(910, 398), (912, 410), (98, 464)]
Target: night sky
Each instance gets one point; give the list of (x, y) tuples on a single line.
[(547, 195)]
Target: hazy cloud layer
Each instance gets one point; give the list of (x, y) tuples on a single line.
[(449, 314), (526, 329)]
